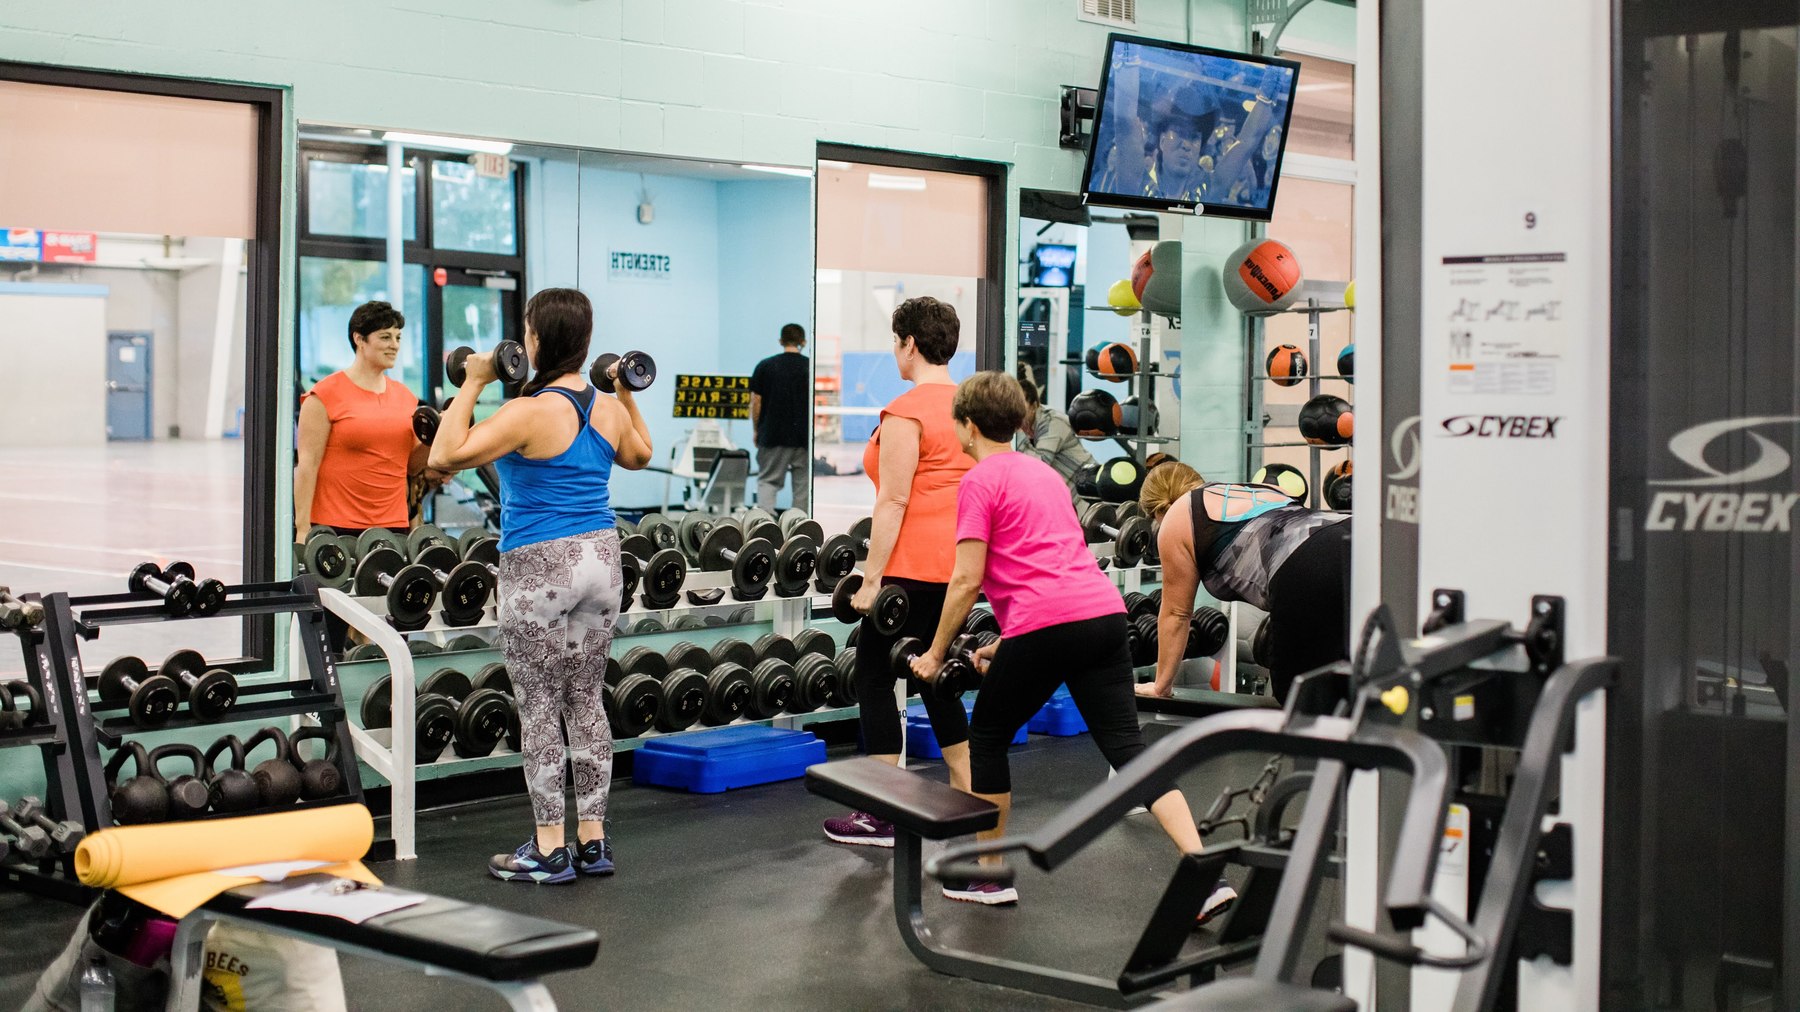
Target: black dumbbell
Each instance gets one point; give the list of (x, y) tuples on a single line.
[(772, 688), (981, 620), (509, 363), (1141, 637), (661, 533), (65, 835), (482, 717), (637, 699), (150, 699), (728, 692), (637, 370), (795, 564), (427, 536), (324, 556), (17, 614), (188, 796), (751, 563), (277, 780), (409, 588), (494, 678), (683, 696), (815, 682), (232, 788), (815, 641), (142, 799), (21, 704), (32, 841), (837, 559), (434, 718), (177, 595), (1130, 536), (381, 537), (1207, 632), (425, 422), (888, 613), (209, 594), (959, 673), (463, 588), (210, 693), (845, 663), (319, 778), (775, 645), (860, 534), (1138, 604)]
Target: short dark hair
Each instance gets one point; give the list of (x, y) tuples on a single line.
[(371, 317), (1032, 397), (931, 324), (992, 402), (793, 335), (563, 320)]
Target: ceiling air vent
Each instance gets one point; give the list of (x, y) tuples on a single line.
[(1117, 13)]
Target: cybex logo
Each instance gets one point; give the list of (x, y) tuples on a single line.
[(1403, 500), (1741, 512), (1502, 426)]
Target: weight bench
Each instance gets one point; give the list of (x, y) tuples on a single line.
[(1203, 703), (497, 949)]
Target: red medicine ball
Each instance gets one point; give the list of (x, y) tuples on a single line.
[(1140, 275)]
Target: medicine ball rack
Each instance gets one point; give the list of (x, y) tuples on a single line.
[(52, 877), (1142, 386), (1257, 419), (91, 725)]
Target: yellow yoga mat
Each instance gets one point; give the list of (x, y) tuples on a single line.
[(174, 867)]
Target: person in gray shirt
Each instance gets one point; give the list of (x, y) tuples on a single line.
[(1047, 435)]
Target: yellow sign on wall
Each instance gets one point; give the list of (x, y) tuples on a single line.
[(699, 396)]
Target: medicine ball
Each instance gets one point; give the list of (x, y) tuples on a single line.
[(1094, 413), (1350, 295), (1140, 275), (1326, 420), (1122, 298), (1337, 487), (1347, 362), (1120, 480), (1128, 418), (1162, 291), (1262, 276), (1115, 362), (1287, 365), (1285, 477)]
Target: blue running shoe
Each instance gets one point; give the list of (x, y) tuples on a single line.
[(528, 864), (595, 857)]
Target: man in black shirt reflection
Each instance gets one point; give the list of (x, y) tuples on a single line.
[(781, 414)]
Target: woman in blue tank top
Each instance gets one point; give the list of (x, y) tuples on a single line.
[(554, 446)]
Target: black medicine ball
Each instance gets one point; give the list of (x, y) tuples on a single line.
[(1327, 420), (1114, 362), (1120, 480), (1128, 418), (1347, 362), (1094, 413), (1337, 487), (1285, 477)]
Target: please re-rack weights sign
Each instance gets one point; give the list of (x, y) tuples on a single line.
[(712, 396)]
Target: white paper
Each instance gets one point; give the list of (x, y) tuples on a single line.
[(274, 871), (332, 899)]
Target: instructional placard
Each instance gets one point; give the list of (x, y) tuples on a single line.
[(1505, 327), (703, 396)]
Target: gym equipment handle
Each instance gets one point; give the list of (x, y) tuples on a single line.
[(1400, 949)]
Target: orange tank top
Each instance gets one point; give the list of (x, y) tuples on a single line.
[(362, 476), (926, 550)]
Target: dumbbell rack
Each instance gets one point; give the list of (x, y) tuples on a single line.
[(51, 877), (1256, 374), (67, 620)]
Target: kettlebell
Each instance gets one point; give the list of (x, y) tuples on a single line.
[(277, 781), (232, 789), (143, 798), (319, 778), (188, 795)]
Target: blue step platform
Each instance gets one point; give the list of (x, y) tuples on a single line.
[(921, 743), (1059, 718), (707, 762)]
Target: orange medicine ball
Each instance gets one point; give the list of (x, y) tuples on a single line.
[(1287, 365)]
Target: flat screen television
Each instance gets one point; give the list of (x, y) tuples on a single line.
[(1188, 128), (1053, 265)]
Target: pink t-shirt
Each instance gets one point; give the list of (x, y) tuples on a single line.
[(1039, 570)]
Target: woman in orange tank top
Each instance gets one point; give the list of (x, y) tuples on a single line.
[(917, 464)]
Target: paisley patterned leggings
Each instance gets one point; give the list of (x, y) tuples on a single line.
[(558, 602)]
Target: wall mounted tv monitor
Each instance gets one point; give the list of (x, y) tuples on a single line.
[(1189, 128), (1053, 265)]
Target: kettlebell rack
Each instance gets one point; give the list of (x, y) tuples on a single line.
[(92, 725), (1255, 374)]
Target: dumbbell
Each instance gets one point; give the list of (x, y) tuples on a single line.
[(1130, 536), (509, 363), (757, 523), (381, 537), (816, 683), (141, 799), (845, 663), (980, 620), (210, 693), (1137, 604), (32, 841), (13, 693), (637, 370), (1207, 632), (323, 555), (463, 588), (795, 564), (17, 614), (751, 563), (434, 718), (65, 835), (888, 613), (150, 699), (661, 533), (683, 696), (208, 594), (427, 536), (1141, 638), (188, 795), (637, 699), (957, 676), (408, 588), (177, 595), (425, 422), (494, 678), (482, 718)]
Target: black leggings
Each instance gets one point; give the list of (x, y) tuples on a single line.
[(1092, 657), (1309, 607), (876, 708)]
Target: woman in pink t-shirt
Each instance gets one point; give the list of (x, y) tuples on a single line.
[(1061, 618)]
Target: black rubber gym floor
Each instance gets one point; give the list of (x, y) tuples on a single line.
[(736, 900)]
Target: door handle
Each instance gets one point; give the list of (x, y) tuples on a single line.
[(112, 385)]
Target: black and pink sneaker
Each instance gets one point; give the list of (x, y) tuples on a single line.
[(986, 893), (1221, 900), (860, 829)]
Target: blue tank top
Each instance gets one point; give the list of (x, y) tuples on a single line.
[(568, 494)]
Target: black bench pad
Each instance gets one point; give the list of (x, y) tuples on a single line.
[(924, 808), (479, 941), (1246, 994), (1204, 703)]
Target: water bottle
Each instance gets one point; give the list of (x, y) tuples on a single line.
[(96, 988)]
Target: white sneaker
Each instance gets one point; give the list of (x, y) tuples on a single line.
[(1223, 896), (986, 893)]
